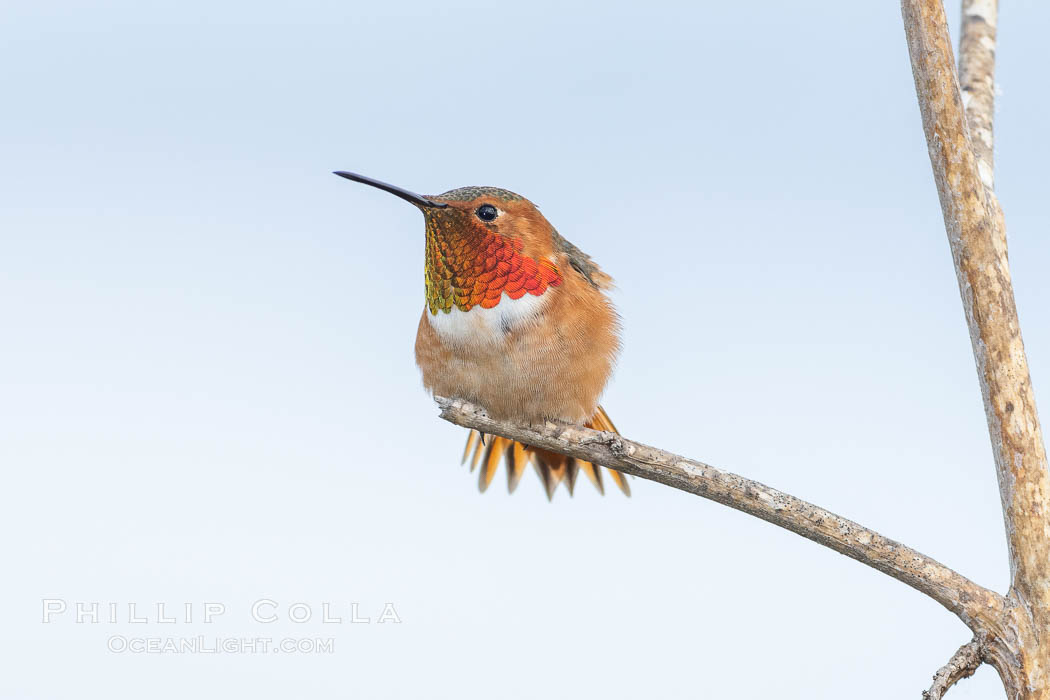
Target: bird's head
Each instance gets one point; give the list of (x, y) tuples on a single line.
[(481, 242)]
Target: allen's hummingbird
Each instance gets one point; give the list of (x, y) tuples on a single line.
[(517, 321)]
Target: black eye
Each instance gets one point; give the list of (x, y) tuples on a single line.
[(486, 212)]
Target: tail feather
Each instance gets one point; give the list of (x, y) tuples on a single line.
[(552, 468), (543, 470), (572, 468), (517, 460), (621, 481), (479, 447), (594, 474), (493, 453), (601, 421), (471, 441)]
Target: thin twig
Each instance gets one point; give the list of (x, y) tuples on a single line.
[(963, 664), (975, 605), (977, 79)]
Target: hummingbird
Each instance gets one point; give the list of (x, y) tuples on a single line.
[(516, 320)]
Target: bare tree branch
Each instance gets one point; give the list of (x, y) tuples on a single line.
[(1010, 632), (976, 606), (976, 234), (963, 664)]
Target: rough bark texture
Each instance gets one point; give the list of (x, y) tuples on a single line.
[(976, 606), (976, 234), (962, 665), (977, 78)]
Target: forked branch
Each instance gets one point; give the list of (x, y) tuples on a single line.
[(977, 236), (975, 605)]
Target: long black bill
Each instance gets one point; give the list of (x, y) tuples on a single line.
[(418, 200)]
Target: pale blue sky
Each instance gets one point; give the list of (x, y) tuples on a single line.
[(208, 382)]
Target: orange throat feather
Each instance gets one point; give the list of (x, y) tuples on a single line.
[(473, 266)]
